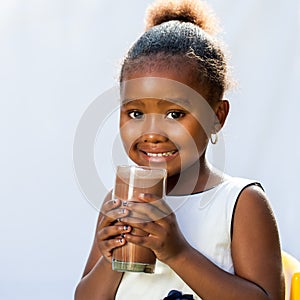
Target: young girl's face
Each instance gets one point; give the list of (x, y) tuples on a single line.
[(163, 121)]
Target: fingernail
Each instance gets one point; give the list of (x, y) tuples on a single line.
[(126, 227), (122, 211), (121, 241), (114, 201), (125, 203), (119, 219), (123, 235)]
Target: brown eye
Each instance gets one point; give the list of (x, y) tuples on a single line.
[(135, 114), (175, 114)]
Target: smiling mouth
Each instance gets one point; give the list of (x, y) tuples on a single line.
[(160, 154)]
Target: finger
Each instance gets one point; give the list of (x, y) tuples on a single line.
[(118, 213), (111, 217), (145, 211), (110, 205), (106, 247), (139, 211), (112, 231), (148, 241), (148, 227), (160, 203)]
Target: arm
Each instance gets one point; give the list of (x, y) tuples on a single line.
[(99, 281), (255, 251)]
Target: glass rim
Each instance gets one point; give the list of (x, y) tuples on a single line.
[(146, 168)]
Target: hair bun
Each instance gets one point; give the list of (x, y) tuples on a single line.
[(194, 11)]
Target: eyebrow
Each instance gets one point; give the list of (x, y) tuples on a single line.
[(136, 101), (179, 101)]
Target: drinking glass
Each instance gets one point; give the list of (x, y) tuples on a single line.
[(130, 182)]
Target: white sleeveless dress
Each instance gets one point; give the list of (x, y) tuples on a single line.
[(205, 221)]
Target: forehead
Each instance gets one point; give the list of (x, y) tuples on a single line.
[(175, 68), (163, 89), (155, 87)]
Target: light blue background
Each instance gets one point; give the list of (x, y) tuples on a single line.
[(56, 57)]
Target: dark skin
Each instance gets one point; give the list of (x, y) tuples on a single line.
[(255, 243)]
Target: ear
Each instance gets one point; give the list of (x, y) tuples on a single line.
[(221, 109)]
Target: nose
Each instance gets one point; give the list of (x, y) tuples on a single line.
[(153, 129), (154, 138)]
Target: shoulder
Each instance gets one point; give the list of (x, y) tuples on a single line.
[(256, 251), (253, 201), (254, 224), (241, 183), (238, 189), (253, 210)]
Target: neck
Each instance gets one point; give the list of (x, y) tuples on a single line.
[(197, 178)]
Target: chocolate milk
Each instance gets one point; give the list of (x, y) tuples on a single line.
[(130, 182)]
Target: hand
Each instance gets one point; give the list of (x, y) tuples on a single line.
[(157, 220), (109, 230)]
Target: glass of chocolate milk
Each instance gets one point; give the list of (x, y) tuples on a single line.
[(130, 182)]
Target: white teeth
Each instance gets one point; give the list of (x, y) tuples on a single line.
[(160, 154)]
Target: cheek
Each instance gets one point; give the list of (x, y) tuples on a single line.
[(126, 138), (129, 132), (189, 136), (200, 139)]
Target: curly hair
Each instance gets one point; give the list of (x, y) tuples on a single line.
[(181, 31)]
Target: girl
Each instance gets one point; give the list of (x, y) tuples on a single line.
[(215, 236)]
